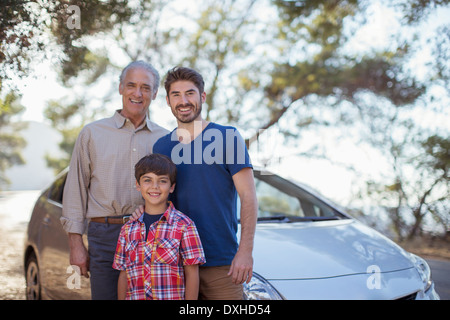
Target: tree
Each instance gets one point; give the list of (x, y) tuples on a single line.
[(328, 71), (216, 45), (18, 26), (415, 190), (60, 116), (419, 185), (24, 25), (136, 34), (265, 66), (434, 164), (31, 31), (10, 142)]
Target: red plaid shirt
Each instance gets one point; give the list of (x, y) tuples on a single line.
[(155, 265)]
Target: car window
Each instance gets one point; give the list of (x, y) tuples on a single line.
[(272, 201), (56, 189), (284, 201)]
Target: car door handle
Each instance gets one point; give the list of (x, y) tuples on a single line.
[(47, 221)]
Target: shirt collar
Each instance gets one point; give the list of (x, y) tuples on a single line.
[(121, 121), (167, 214)]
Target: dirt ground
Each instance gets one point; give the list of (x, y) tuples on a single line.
[(15, 210), (12, 281), (429, 247)]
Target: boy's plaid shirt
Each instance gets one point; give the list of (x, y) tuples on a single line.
[(155, 266)]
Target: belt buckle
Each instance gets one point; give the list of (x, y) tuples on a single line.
[(125, 219)]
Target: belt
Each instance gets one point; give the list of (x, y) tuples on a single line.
[(112, 220)]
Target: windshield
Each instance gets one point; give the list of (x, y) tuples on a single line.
[(280, 200)]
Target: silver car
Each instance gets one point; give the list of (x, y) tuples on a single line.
[(305, 248)]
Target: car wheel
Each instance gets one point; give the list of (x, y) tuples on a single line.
[(32, 279)]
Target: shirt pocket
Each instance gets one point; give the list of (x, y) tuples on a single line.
[(167, 251), (132, 252)]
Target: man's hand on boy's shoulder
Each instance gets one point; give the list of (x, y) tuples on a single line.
[(137, 213)]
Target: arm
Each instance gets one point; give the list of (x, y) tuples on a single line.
[(75, 203), (76, 188), (192, 281), (122, 285), (119, 264), (78, 253), (241, 268), (191, 251)]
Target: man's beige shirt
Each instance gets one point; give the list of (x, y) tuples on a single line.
[(101, 180)]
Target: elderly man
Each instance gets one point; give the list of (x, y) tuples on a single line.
[(100, 187)]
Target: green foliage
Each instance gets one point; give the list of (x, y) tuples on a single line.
[(415, 9), (23, 25), (260, 65), (96, 17), (437, 154), (60, 115), (11, 143)]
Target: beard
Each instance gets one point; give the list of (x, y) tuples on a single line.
[(196, 111)]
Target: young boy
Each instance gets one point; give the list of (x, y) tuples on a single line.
[(159, 253)]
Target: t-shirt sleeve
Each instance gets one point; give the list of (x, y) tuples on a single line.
[(237, 157)]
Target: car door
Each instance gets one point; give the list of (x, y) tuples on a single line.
[(59, 279)]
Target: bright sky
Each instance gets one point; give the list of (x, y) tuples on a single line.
[(382, 24)]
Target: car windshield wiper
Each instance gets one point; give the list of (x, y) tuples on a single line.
[(289, 219), (281, 218), (316, 218)]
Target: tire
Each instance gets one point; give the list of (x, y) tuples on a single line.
[(33, 284)]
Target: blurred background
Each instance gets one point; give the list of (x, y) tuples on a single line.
[(350, 97)]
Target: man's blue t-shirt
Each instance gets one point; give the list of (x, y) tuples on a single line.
[(205, 190)]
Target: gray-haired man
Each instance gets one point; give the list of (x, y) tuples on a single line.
[(100, 187)]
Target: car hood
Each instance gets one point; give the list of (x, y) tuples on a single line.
[(323, 249)]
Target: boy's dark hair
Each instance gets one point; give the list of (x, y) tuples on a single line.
[(183, 73), (158, 164)]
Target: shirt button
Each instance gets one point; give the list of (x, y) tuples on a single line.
[(134, 149)]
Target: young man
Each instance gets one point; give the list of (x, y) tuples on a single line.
[(162, 262), (213, 168), (102, 166)]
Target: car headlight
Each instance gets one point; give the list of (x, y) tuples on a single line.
[(260, 289), (423, 269)]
